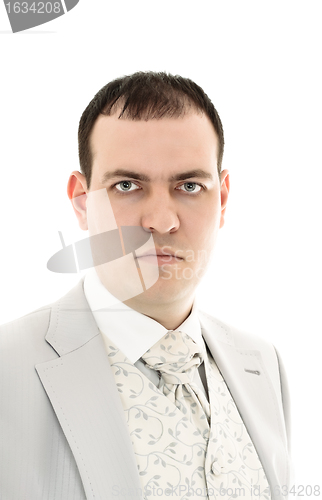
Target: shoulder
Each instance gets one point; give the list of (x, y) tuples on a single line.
[(23, 344), (35, 324), (243, 341), (35, 321), (236, 337)]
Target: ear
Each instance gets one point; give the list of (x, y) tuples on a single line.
[(77, 193), (224, 191)]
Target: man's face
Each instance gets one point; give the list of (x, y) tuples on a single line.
[(162, 175)]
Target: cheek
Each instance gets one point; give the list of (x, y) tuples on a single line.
[(100, 216), (205, 221), (123, 218), (203, 230), (124, 214)]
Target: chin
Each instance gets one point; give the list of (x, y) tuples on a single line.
[(167, 291)]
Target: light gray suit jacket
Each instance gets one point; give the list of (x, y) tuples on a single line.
[(63, 434)]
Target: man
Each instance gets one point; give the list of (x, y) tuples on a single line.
[(124, 388)]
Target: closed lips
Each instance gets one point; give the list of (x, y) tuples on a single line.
[(159, 253)]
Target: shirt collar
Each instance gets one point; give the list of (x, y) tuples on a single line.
[(132, 332)]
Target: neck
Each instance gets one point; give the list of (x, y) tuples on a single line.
[(170, 315)]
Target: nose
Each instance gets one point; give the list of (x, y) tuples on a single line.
[(159, 214)]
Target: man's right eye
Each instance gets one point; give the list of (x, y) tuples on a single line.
[(125, 186)]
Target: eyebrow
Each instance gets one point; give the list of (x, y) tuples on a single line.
[(121, 173)]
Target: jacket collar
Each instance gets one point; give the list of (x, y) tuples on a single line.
[(71, 322)]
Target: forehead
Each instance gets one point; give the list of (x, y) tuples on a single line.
[(165, 143)]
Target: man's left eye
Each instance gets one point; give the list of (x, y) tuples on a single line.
[(191, 187)]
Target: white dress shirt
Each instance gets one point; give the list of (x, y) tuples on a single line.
[(134, 333)]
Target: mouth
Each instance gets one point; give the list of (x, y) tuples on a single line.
[(163, 257)]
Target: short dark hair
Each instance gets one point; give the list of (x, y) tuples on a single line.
[(144, 96)]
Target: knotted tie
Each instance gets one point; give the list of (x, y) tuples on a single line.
[(176, 356)]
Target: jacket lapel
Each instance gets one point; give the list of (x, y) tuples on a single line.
[(250, 383), (81, 388)]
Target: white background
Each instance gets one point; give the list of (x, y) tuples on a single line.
[(260, 63)]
